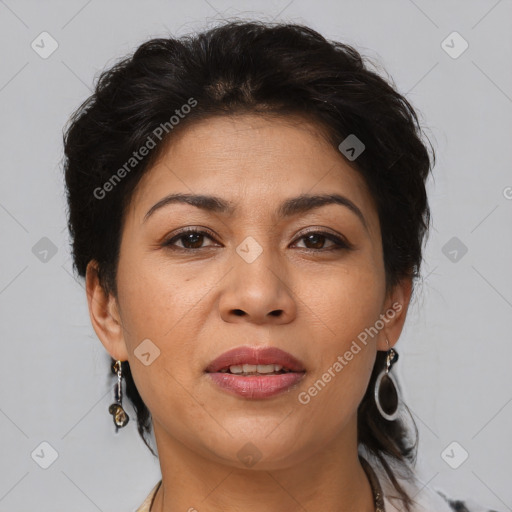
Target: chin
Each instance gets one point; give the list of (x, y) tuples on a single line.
[(260, 451)]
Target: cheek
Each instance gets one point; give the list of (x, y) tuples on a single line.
[(156, 298), (344, 309), (165, 304), (343, 303), (159, 305)]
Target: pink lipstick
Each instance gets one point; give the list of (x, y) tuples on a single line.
[(256, 373)]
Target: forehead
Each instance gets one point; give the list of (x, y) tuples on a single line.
[(253, 161)]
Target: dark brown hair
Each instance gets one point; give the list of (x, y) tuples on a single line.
[(253, 67)]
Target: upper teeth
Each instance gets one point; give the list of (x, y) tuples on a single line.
[(260, 368)]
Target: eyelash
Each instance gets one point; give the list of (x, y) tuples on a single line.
[(339, 242)]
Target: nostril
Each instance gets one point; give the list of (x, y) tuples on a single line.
[(238, 312)]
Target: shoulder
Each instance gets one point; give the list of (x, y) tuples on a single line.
[(426, 500), (146, 504), (435, 501), (429, 499), (464, 505)]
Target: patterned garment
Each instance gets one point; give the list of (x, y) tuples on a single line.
[(428, 501), (465, 505), (433, 500), (425, 499)]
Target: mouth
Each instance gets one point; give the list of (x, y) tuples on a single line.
[(255, 373)]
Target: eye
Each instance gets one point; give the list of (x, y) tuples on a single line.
[(192, 239), (318, 238)]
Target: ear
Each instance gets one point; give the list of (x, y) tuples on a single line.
[(104, 313), (394, 313)]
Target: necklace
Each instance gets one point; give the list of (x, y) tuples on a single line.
[(378, 496)]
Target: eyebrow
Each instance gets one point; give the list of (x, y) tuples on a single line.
[(290, 207)]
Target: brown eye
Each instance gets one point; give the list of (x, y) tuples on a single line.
[(316, 241), (194, 239), (191, 239)]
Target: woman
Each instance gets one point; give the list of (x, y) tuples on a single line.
[(247, 207)]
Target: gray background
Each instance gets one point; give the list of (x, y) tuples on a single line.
[(456, 350)]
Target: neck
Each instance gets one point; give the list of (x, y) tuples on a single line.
[(331, 479)]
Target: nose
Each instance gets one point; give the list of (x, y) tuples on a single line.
[(259, 291)]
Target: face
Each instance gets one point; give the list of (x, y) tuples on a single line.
[(307, 279)]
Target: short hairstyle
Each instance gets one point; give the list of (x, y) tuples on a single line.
[(260, 68)]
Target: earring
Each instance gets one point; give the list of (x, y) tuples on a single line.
[(386, 388), (116, 409)]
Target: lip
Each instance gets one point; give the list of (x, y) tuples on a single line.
[(256, 386)]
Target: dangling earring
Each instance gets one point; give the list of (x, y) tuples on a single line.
[(386, 388), (116, 409)]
